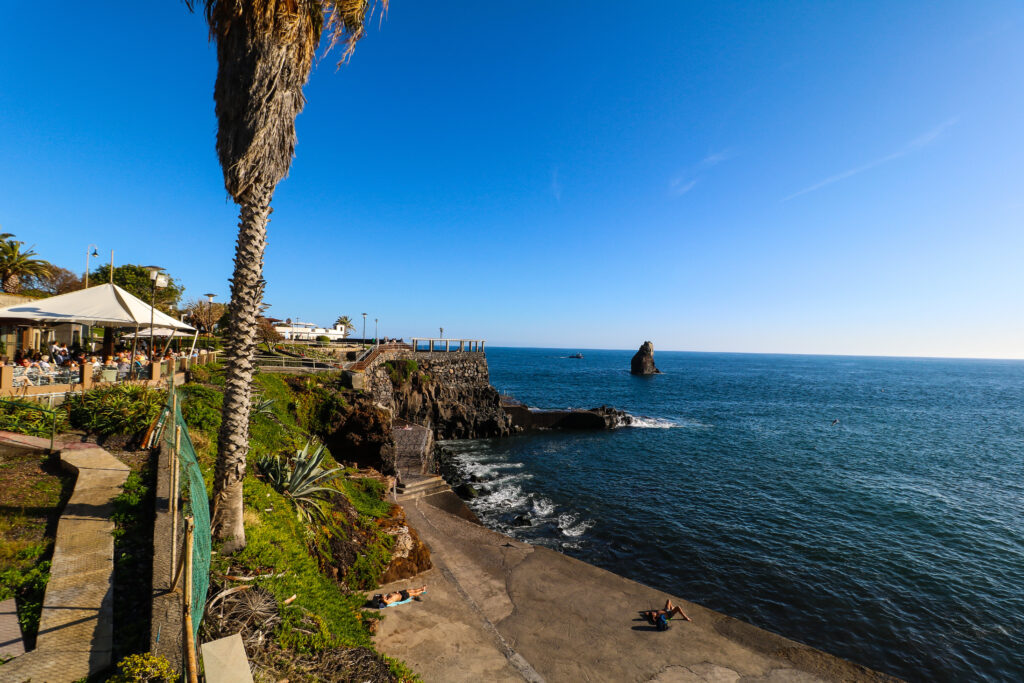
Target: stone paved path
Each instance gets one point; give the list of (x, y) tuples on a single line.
[(76, 627), (10, 631)]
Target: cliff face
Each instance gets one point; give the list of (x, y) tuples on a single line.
[(450, 391)]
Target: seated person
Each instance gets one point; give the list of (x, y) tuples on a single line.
[(44, 363), (660, 617), (380, 601)]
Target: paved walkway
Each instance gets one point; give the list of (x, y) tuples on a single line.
[(500, 610), (10, 631), (76, 627)]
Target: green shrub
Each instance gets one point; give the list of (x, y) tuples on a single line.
[(210, 373), (201, 407), (28, 586), (401, 370), (143, 668), (119, 409), (323, 338), (25, 417)]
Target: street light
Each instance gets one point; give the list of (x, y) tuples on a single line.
[(159, 280), (364, 328), (376, 333), (442, 333), (87, 255), (209, 312)]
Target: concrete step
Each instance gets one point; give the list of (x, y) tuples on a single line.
[(414, 483), (427, 486)]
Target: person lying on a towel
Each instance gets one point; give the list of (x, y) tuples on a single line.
[(382, 600), (659, 618)]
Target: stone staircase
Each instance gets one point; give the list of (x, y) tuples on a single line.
[(420, 486)]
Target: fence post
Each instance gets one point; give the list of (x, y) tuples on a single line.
[(190, 643)]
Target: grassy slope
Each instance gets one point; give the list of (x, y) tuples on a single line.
[(324, 614)]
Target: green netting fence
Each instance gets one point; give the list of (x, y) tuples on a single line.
[(192, 488)]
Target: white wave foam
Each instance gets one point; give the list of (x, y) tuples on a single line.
[(542, 507), (651, 423), (504, 498), (569, 526)]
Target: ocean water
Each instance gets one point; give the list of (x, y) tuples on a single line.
[(893, 538)]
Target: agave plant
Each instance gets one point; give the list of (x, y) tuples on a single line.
[(301, 478), (262, 406)]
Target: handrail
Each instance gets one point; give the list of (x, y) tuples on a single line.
[(32, 406)]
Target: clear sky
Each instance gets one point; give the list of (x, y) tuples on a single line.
[(799, 177)]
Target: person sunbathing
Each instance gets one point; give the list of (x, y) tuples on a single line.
[(661, 617), (382, 600)]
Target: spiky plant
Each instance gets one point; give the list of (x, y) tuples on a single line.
[(301, 479), (16, 264), (265, 50)]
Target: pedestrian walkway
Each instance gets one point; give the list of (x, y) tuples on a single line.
[(76, 627), (10, 631), (500, 610)]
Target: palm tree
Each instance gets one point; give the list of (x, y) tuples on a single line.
[(345, 323), (16, 264), (264, 54)]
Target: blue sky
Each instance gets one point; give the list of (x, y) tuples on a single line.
[(799, 177)]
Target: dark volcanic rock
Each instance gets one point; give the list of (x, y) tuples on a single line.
[(450, 392), (466, 492), (643, 361), (603, 417)]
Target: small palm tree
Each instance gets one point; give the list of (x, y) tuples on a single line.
[(345, 323), (16, 264), (265, 51)]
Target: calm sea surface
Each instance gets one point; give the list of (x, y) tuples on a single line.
[(894, 538)]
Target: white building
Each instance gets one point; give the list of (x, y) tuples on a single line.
[(300, 331)]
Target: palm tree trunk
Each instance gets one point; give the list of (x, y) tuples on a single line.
[(240, 344), (12, 283)]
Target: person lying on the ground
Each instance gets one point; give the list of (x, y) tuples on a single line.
[(382, 600), (661, 617)]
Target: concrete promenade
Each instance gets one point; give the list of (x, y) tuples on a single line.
[(500, 610), (76, 626)]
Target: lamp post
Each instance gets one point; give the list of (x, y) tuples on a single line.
[(209, 312), (442, 333), (376, 331), (87, 255), (159, 280), (364, 329)]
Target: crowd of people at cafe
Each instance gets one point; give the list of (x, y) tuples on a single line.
[(64, 364)]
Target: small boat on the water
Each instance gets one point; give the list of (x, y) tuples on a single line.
[(576, 355)]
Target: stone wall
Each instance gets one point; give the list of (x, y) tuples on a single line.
[(449, 391)]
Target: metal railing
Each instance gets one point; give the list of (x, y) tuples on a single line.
[(448, 345), (292, 362)]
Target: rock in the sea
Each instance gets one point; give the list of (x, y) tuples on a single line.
[(522, 520), (643, 361), (466, 492)]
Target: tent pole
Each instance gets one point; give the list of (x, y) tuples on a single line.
[(193, 349), (135, 345), (163, 353)]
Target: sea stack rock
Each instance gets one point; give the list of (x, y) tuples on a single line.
[(643, 361)]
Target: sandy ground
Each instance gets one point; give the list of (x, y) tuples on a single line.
[(500, 610)]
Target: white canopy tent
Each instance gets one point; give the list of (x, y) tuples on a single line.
[(105, 305), (158, 332)]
